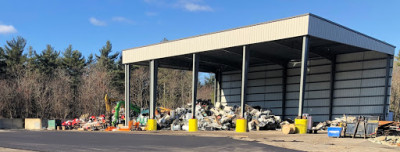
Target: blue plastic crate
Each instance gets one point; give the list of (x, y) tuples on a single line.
[(334, 131)]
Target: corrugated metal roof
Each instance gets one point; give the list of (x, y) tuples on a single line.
[(306, 24), (326, 29)]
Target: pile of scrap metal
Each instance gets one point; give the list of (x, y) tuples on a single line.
[(85, 123), (94, 123), (259, 118), (209, 117), (216, 117)]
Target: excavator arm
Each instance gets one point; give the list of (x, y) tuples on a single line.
[(108, 102)]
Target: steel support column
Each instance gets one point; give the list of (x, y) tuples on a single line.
[(219, 86), (127, 93), (153, 87), (284, 82), (243, 91), (215, 87), (195, 80), (332, 85), (304, 61), (387, 77)]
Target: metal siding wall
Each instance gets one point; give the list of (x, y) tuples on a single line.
[(264, 87), (360, 84), (316, 100)]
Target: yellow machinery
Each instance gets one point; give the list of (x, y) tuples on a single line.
[(108, 102), (163, 110)]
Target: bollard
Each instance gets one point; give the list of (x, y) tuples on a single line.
[(151, 125), (241, 125), (193, 125), (301, 126)]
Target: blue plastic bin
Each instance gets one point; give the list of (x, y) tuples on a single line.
[(334, 131)]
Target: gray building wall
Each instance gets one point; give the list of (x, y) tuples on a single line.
[(359, 86)]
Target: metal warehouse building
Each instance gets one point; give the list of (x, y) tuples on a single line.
[(300, 64)]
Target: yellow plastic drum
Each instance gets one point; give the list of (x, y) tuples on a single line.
[(151, 125), (241, 125), (193, 125), (301, 126)]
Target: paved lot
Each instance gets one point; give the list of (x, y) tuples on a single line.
[(108, 141)]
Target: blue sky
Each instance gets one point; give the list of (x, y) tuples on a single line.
[(88, 24)]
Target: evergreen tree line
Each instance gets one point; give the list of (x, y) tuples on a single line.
[(65, 84)]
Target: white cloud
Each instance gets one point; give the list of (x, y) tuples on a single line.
[(97, 22), (188, 5), (196, 7), (7, 29), (122, 19)]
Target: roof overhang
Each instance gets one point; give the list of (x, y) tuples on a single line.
[(272, 32)]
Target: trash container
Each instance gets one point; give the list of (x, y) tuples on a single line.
[(334, 131), (51, 124)]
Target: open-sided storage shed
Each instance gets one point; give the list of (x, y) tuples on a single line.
[(301, 64)]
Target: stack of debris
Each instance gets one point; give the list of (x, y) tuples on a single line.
[(209, 117), (386, 140), (217, 117), (388, 128), (262, 118), (335, 123)]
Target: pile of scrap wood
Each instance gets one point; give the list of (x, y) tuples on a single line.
[(388, 133), (389, 128)]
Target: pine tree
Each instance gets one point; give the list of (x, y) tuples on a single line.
[(90, 60), (106, 60), (118, 76), (114, 67), (47, 61), (73, 62), (3, 64), (13, 57)]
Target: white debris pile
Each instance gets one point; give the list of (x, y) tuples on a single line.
[(208, 117), (262, 118), (386, 140), (334, 123), (218, 117)]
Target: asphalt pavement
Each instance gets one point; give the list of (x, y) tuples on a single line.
[(109, 141)]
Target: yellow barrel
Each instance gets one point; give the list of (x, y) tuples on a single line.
[(151, 125), (241, 125), (301, 126), (193, 125)]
